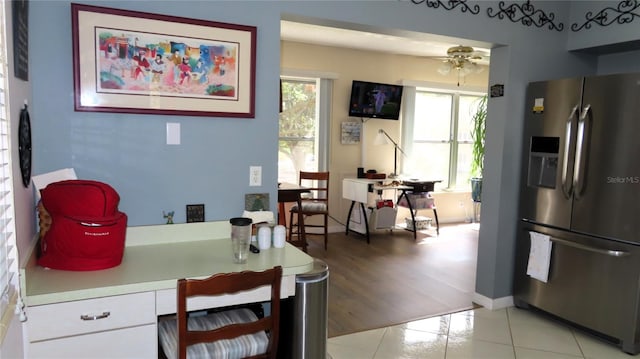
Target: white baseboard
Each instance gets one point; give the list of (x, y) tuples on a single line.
[(492, 304), (454, 220)]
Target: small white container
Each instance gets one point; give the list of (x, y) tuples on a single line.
[(279, 236), (264, 237)]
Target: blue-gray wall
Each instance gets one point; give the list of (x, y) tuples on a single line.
[(606, 33), (211, 166)]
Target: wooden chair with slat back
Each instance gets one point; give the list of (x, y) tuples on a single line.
[(317, 203), (234, 333)]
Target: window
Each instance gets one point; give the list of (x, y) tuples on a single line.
[(438, 136), (303, 126), (8, 251)]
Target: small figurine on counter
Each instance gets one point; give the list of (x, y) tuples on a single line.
[(168, 216)]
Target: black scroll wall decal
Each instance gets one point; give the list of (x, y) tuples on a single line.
[(622, 14), (450, 5), (526, 14)]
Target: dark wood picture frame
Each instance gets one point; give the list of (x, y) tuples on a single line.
[(143, 63), (20, 18), (195, 213)]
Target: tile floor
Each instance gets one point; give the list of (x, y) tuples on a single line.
[(478, 333)]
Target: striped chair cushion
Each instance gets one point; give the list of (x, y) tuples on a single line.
[(311, 206), (240, 347)]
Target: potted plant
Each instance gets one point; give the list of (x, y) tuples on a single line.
[(478, 122)]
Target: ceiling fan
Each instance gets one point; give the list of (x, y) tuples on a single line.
[(463, 59)]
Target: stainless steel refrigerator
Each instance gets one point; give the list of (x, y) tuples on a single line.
[(581, 190)]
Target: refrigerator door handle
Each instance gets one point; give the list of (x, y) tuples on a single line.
[(582, 150), (607, 252), (567, 186)]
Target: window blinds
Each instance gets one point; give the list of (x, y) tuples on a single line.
[(8, 251)]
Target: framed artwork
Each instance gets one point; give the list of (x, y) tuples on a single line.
[(137, 62), (195, 213), (256, 202), (350, 133), (20, 18)]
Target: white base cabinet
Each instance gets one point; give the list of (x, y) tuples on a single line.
[(113, 313), (137, 342), (122, 326)]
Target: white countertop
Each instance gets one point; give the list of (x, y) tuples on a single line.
[(155, 257)]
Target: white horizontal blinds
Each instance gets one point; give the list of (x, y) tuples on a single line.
[(8, 251)]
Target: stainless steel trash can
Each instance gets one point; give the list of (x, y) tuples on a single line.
[(311, 313)]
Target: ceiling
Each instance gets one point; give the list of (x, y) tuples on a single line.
[(403, 44)]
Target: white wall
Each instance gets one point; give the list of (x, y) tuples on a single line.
[(607, 36)]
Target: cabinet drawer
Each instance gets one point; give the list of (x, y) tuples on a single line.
[(137, 342), (91, 315)]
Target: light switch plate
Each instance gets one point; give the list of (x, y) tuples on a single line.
[(173, 133)]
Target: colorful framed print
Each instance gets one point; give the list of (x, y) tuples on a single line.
[(136, 62)]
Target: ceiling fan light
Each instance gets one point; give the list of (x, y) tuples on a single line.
[(468, 68), (445, 68), (460, 51), (462, 60), (474, 68)]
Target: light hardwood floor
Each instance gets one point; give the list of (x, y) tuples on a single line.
[(396, 279)]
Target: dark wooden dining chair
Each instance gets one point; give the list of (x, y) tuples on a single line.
[(233, 333), (314, 203)]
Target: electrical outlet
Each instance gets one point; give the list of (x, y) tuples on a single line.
[(255, 176)]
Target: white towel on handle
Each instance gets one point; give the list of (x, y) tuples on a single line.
[(539, 256)]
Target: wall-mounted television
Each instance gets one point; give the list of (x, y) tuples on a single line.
[(375, 100)]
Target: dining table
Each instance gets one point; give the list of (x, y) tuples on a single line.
[(289, 193)]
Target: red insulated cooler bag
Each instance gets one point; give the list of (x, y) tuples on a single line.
[(87, 231)]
